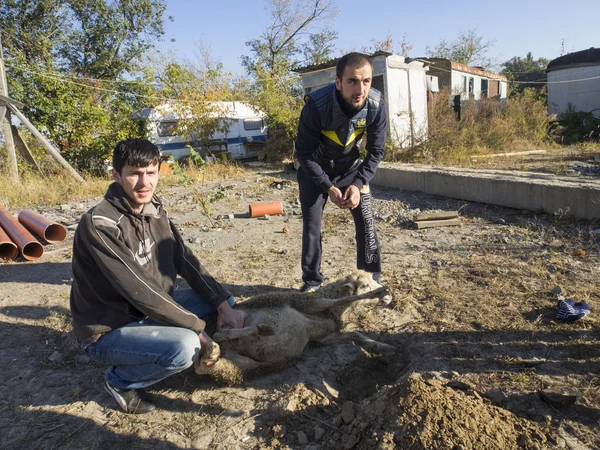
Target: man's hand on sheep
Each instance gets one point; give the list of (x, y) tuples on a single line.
[(351, 197), (335, 195), (229, 317)]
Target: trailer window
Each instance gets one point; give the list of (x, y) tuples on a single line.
[(167, 128), (253, 124)]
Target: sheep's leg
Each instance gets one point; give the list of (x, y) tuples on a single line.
[(360, 339), (228, 334), (317, 305)]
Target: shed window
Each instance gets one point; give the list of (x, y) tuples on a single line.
[(167, 128), (253, 124)]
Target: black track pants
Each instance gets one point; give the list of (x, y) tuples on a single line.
[(312, 201)]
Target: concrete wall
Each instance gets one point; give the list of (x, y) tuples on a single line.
[(522, 190), (583, 95)]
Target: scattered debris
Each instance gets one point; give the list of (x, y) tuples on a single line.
[(560, 396), (440, 219)]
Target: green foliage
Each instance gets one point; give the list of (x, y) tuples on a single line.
[(525, 70), (275, 89), (577, 126), (72, 62), (468, 48)]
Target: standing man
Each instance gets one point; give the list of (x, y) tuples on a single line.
[(126, 256), (332, 124)]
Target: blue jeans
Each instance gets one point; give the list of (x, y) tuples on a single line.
[(146, 352)]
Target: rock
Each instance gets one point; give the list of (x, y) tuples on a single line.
[(557, 290), (454, 374), (279, 431), (56, 357), (349, 441), (82, 359), (496, 396), (311, 447), (348, 412), (337, 421), (292, 405), (596, 232), (523, 440), (72, 227), (560, 396), (195, 240), (302, 439), (552, 268), (65, 207), (265, 217), (319, 432), (455, 384), (81, 206)]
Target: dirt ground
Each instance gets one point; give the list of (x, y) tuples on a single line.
[(481, 361)]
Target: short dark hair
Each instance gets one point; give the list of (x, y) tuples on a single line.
[(353, 59), (136, 153)]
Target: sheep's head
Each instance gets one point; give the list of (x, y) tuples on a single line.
[(360, 282)]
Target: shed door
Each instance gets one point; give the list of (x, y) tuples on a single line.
[(493, 88)]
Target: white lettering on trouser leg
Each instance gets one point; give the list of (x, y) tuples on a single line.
[(370, 241)]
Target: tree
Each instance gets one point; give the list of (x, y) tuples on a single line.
[(319, 48), (107, 38), (525, 73), (517, 65), (275, 88), (74, 64), (469, 48), (199, 90), (290, 22)]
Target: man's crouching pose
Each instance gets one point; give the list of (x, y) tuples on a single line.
[(126, 256)]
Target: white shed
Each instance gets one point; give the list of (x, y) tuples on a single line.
[(574, 79), (403, 86)]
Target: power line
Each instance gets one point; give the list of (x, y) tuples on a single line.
[(114, 91)]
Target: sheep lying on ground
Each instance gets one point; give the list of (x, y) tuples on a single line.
[(278, 326)]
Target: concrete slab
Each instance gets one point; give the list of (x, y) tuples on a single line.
[(579, 197)]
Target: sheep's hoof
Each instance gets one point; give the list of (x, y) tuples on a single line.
[(206, 362), (265, 330)]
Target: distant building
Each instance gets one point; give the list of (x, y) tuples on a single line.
[(402, 84), (465, 81), (245, 137), (574, 79)]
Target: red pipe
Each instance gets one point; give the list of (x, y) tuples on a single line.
[(48, 230), (270, 208), (8, 249), (30, 248)]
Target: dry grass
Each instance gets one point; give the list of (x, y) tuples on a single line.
[(487, 127), (38, 190), (57, 188)]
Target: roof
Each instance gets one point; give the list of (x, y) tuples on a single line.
[(589, 56), (465, 69), (332, 63)]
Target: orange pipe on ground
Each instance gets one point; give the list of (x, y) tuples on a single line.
[(8, 249), (28, 245), (41, 226), (261, 209)]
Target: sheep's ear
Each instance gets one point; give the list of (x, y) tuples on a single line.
[(349, 285)]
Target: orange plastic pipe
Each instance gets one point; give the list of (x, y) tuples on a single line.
[(261, 209), (8, 249), (41, 226), (30, 248)]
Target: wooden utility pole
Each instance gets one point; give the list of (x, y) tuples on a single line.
[(5, 119), (8, 105)]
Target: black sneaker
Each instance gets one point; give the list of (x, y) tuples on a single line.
[(308, 288), (132, 401)]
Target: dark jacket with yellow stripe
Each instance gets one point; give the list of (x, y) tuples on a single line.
[(328, 141)]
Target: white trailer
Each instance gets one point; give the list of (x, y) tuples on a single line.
[(245, 138)]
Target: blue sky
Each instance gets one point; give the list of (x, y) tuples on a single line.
[(516, 26)]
